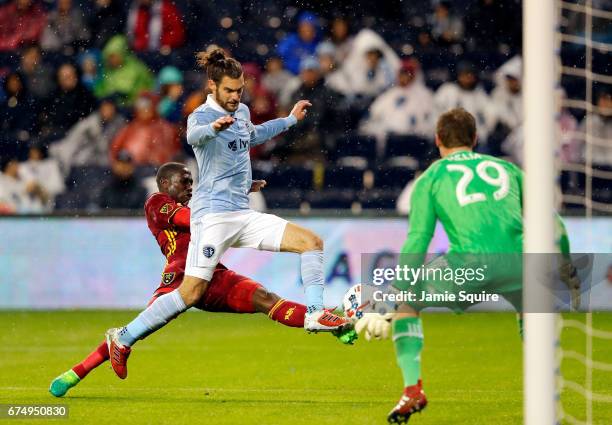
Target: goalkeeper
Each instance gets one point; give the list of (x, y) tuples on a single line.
[(478, 200)]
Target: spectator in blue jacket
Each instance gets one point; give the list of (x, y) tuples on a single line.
[(172, 93), (300, 44)]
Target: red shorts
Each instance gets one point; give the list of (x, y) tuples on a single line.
[(227, 292)]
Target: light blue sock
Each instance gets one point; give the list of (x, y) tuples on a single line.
[(312, 279), (154, 317)]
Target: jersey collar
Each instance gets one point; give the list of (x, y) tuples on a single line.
[(214, 105), (459, 152)]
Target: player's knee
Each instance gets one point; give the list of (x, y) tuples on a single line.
[(190, 297), (405, 311), (263, 300), (313, 243), (192, 290)]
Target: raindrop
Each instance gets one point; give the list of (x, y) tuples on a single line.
[(262, 49), (274, 22), (407, 49), (291, 12), (233, 36), (226, 22)]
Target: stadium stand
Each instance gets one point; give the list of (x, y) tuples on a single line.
[(354, 171)]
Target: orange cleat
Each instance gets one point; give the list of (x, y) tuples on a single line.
[(118, 353), (324, 321)]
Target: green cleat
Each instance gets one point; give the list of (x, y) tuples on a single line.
[(346, 336), (63, 383)]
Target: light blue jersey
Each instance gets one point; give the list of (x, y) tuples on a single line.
[(224, 164)]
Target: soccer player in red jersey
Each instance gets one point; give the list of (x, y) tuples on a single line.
[(168, 218)]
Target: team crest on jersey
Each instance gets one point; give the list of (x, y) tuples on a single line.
[(168, 278), (233, 145), (208, 251), (165, 209)]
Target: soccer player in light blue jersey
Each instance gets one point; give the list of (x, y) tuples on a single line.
[(221, 134)]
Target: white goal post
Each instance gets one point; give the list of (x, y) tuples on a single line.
[(539, 29)]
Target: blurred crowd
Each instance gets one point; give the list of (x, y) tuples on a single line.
[(95, 95)]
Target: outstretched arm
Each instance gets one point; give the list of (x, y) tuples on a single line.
[(199, 131), (263, 132)]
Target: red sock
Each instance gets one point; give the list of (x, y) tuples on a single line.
[(95, 359), (288, 313)]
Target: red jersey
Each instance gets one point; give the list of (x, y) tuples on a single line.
[(227, 291), (172, 240)]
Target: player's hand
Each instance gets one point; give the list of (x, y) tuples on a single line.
[(257, 185), (569, 276), (374, 326), (222, 123), (300, 109)]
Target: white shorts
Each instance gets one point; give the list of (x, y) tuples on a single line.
[(213, 234)]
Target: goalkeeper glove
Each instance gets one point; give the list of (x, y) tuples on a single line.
[(374, 326), (569, 276)]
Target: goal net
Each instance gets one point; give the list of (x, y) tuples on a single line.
[(568, 150)]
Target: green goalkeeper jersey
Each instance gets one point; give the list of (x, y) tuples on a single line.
[(478, 200)]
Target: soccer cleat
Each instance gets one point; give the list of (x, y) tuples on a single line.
[(346, 335), (60, 385), (324, 321), (118, 353), (413, 400)]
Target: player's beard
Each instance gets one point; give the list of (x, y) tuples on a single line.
[(226, 105)]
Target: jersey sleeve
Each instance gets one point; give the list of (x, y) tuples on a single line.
[(199, 129), (269, 129), (182, 218), (563, 238), (159, 209), (421, 224)]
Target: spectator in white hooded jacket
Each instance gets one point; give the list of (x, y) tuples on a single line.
[(507, 96), (405, 109), (44, 172), (18, 196), (468, 94), (369, 69)]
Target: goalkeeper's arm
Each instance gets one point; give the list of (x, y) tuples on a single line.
[(421, 226), (422, 223)]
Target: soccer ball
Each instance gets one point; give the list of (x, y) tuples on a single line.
[(369, 317), (353, 308)]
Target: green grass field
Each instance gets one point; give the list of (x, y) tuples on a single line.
[(229, 369)]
